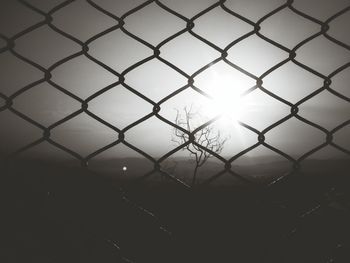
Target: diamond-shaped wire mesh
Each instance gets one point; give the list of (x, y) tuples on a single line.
[(187, 29)]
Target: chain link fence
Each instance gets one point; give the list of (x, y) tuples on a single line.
[(329, 198)]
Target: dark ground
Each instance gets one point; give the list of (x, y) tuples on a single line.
[(52, 214)]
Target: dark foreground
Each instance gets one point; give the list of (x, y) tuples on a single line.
[(51, 214)]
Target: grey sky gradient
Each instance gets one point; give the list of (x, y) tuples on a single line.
[(156, 80)]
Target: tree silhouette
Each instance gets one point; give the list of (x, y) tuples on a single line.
[(208, 137)]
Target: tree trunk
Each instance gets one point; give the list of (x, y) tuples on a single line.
[(194, 175)]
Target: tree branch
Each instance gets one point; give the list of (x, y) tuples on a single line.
[(206, 138)]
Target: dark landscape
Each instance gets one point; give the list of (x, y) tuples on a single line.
[(54, 213)]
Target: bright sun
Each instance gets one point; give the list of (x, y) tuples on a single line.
[(227, 100), (229, 104)]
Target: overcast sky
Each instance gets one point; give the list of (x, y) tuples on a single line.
[(156, 80)]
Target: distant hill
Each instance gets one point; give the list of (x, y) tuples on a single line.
[(259, 169)]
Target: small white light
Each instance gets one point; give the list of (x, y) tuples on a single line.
[(125, 168)]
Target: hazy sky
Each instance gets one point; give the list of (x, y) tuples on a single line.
[(156, 80)]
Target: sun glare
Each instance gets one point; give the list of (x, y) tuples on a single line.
[(227, 100)]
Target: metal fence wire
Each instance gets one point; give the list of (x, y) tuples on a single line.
[(47, 20), (190, 24)]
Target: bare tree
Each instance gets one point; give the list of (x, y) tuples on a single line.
[(208, 137)]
